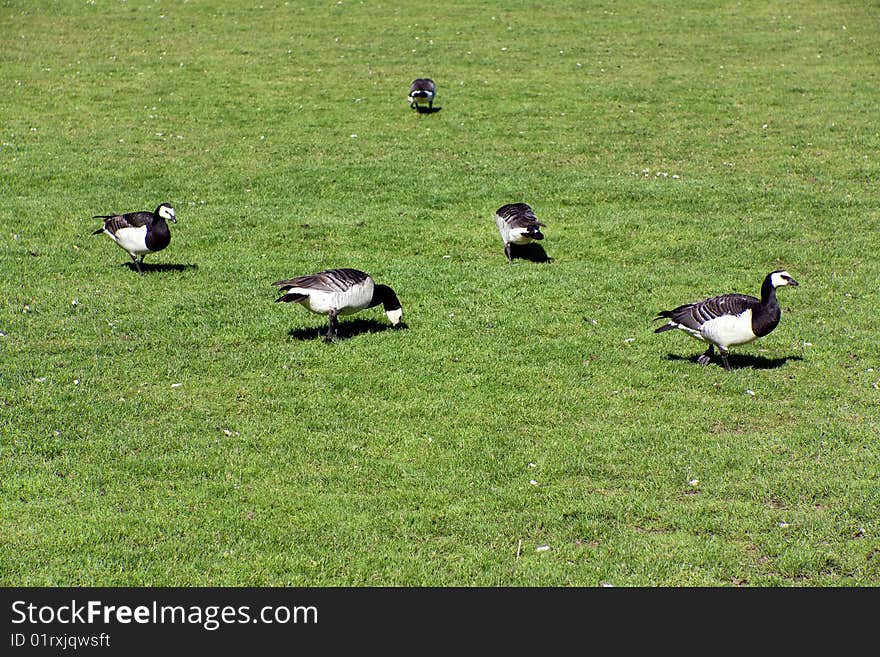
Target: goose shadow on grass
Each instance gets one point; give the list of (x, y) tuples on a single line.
[(533, 252), (159, 268), (427, 110), (345, 329), (740, 361)]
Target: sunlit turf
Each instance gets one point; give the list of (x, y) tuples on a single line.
[(528, 428)]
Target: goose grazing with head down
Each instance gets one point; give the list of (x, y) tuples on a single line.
[(729, 319), (517, 224), (139, 233), (422, 91), (337, 292)]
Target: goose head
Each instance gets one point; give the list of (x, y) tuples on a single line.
[(780, 278), (166, 212)]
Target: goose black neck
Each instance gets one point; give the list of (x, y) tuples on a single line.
[(768, 292), (386, 296)]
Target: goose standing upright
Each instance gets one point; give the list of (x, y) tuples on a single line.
[(517, 224), (139, 233), (729, 319), (421, 91), (335, 292)]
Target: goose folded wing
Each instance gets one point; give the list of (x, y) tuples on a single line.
[(694, 315), (333, 280), (525, 221), (115, 223)]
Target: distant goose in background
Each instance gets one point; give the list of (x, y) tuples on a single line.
[(729, 319), (340, 292), (421, 91), (517, 224), (139, 233)]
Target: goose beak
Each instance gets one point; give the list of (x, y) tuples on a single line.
[(792, 282)]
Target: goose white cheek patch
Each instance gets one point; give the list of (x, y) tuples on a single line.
[(395, 315)]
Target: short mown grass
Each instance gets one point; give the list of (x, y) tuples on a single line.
[(528, 428)]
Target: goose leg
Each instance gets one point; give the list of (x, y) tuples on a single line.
[(723, 353), (331, 330), (508, 253), (138, 264), (706, 358)]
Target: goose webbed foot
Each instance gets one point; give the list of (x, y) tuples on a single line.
[(706, 358)]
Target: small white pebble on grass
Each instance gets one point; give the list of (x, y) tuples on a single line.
[(694, 482), (629, 339), (532, 465), (229, 432), (750, 393), (40, 379), (354, 136), (76, 382), (542, 548), (808, 344), (784, 524), (533, 482), (447, 257), (2, 334), (606, 585), (75, 303), (176, 385)]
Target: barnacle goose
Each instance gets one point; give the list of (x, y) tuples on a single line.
[(517, 224), (421, 91), (729, 319), (340, 292), (139, 233)]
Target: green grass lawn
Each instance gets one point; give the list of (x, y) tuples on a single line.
[(529, 428)]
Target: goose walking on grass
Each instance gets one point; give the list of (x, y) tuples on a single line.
[(729, 319), (421, 92), (139, 233), (337, 292), (517, 224)]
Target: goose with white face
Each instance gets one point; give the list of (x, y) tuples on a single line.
[(338, 292), (139, 233), (728, 320)]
